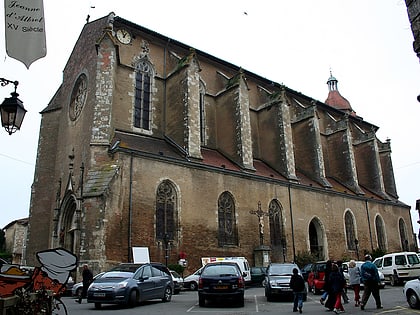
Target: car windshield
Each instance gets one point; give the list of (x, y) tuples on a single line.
[(116, 275), (175, 274), (220, 270), (281, 270)]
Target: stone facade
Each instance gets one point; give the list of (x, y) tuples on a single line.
[(15, 233), (152, 143)]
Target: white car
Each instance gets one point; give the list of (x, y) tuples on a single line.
[(411, 292), (358, 264), (178, 281), (191, 281)]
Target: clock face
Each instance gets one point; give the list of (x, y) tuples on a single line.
[(124, 36)]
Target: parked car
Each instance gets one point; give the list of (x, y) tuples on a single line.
[(399, 267), (316, 277), (258, 275), (178, 281), (191, 281), (277, 280), (130, 267), (78, 287), (358, 264), (411, 292), (221, 280), (149, 281), (305, 271)]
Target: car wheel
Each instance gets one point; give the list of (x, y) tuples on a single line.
[(201, 301), (79, 292), (132, 299), (413, 299), (241, 301), (394, 281), (98, 305), (193, 286), (167, 295)]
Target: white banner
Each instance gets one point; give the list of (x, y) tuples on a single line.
[(25, 30)]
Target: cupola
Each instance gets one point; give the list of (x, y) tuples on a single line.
[(335, 99)]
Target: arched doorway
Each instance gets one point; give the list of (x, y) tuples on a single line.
[(316, 239), (68, 224)]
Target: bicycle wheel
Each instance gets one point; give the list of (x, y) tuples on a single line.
[(58, 307)]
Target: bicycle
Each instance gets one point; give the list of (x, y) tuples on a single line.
[(40, 302)]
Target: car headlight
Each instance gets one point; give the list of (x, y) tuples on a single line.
[(121, 285), (272, 282)]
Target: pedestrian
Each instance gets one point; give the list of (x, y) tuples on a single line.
[(344, 293), (354, 280), (87, 277), (337, 284), (326, 280), (370, 277), (297, 284)]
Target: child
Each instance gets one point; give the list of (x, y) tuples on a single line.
[(298, 286)]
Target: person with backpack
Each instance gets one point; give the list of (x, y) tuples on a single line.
[(297, 284), (370, 277)]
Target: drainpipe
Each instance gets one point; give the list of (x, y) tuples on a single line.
[(291, 222), (164, 84), (368, 219), (130, 208)]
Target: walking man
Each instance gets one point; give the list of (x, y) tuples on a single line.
[(87, 280), (370, 277)]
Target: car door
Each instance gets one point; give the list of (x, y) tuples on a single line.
[(145, 282), (160, 280)]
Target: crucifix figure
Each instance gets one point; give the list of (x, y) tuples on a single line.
[(260, 214)]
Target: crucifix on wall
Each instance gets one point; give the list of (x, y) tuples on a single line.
[(260, 214)]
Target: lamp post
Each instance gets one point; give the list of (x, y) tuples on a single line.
[(356, 242), (11, 110), (166, 242)]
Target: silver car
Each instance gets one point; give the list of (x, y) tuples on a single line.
[(358, 264)]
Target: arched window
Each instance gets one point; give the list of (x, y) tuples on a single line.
[(276, 224), (202, 114), (403, 234), (166, 211), (143, 95), (380, 233), (350, 230), (227, 220)]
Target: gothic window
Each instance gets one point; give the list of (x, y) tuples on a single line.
[(78, 97), (350, 230), (403, 235), (276, 224), (143, 95), (166, 213), (202, 114), (228, 235), (380, 233)]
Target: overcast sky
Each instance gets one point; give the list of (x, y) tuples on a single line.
[(367, 44)]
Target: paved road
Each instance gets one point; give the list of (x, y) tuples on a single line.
[(187, 303)]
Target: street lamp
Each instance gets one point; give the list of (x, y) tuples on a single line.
[(356, 242), (166, 242), (11, 110)]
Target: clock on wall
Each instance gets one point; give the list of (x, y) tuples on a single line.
[(124, 36)]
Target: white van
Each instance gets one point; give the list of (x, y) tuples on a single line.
[(241, 261), (399, 267)]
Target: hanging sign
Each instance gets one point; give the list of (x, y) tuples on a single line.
[(25, 30)]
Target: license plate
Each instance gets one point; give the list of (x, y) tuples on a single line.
[(221, 287), (99, 294)]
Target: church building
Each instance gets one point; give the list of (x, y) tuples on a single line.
[(149, 142)]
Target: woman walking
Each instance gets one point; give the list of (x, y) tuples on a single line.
[(337, 284), (354, 281)]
